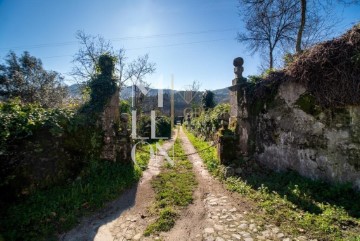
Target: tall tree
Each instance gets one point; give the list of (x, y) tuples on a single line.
[(92, 47), (25, 77), (302, 26), (317, 21), (268, 24), (207, 99)]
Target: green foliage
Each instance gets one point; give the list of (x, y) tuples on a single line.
[(18, 121), (164, 223), (24, 77), (209, 156), (58, 140), (102, 86), (254, 78), (174, 188), (142, 154), (207, 99), (288, 58), (49, 212), (307, 103), (208, 122), (162, 126), (125, 107)]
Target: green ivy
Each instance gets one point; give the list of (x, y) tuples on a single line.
[(19, 121), (208, 122)]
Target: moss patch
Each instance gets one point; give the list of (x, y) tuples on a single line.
[(307, 103)]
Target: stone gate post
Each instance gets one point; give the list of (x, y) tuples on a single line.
[(239, 113)]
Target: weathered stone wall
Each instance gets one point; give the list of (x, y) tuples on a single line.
[(286, 130), (117, 141)]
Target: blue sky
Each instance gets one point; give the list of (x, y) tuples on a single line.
[(204, 52)]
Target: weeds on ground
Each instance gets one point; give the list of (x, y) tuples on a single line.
[(209, 156), (174, 188), (46, 213), (142, 153), (298, 205)]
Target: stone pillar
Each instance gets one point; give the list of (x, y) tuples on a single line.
[(225, 141), (110, 119), (125, 142), (239, 113), (117, 140)]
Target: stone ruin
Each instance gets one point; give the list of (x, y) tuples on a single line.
[(116, 137)]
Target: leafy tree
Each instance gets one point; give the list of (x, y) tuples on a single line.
[(207, 99), (25, 77)]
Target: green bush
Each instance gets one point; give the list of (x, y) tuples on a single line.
[(162, 126), (40, 147), (19, 121), (125, 107), (30, 134), (208, 122)]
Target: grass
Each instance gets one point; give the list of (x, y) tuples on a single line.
[(142, 155), (174, 190), (209, 156), (46, 213), (298, 205)]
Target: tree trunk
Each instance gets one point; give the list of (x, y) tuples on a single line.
[(302, 26), (271, 59)]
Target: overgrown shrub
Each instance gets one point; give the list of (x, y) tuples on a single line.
[(207, 124), (162, 126), (330, 70), (29, 136), (40, 147)]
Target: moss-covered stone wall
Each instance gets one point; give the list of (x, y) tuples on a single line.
[(289, 131)]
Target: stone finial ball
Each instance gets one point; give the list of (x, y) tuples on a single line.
[(238, 62)]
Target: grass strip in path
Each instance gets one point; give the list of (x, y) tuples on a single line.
[(174, 188), (298, 205)]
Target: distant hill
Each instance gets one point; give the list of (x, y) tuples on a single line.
[(221, 95), (150, 100)]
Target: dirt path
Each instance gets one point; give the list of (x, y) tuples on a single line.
[(127, 217), (215, 214)]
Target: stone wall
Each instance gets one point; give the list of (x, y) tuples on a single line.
[(284, 129), (117, 141)]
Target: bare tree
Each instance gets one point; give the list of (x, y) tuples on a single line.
[(269, 24), (302, 26), (317, 22), (92, 47)]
